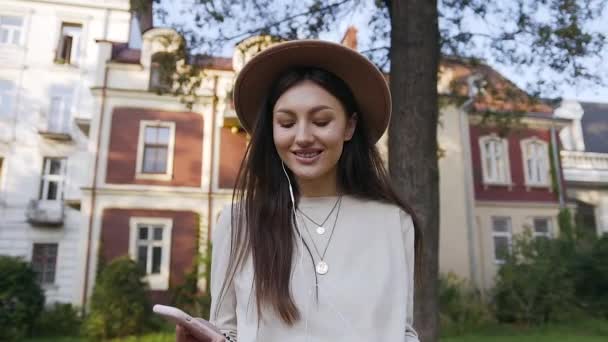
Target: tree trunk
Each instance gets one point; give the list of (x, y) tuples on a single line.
[(412, 140)]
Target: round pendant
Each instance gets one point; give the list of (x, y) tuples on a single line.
[(320, 230), (322, 267)]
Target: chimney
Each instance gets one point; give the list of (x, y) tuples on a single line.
[(350, 38)]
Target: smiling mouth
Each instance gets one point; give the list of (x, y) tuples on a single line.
[(307, 154)]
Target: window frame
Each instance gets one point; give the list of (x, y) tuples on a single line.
[(65, 113), (46, 178), (549, 233), (21, 30), (75, 49), (168, 174), (43, 281), (9, 93), (495, 234), (504, 143), (545, 174), (158, 281)]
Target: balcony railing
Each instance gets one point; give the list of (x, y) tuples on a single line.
[(584, 160)]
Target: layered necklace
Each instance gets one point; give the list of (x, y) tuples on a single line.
[(321, 226), (322, 267)]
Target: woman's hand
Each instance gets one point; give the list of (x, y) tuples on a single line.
[(182, 334)]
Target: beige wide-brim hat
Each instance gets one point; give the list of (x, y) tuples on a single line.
[(365, 81)]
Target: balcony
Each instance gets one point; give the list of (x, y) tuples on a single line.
[(45, 213), (585, 167)]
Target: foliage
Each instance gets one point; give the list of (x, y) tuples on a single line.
[(187, 295), (119, 303), (21, 298), (592, 278), (461, 306), (546, 37), (536, 283), (60, 320)]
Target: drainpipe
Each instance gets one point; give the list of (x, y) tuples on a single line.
[(468, 181), (212, 160), (93, 188), (556, 164)]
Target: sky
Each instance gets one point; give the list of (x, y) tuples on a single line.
[(581, 90)]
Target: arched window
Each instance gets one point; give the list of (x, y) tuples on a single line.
[(495, 159), (536, 162)]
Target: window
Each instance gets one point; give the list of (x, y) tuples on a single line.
[(11, 29), (150, 247), (160, 77), (495, 160), (155, 150), (68, 51), (44, 262), (542, 227), (501, 234), (536, 163), (53, 175), (59, 114), (7, 89)]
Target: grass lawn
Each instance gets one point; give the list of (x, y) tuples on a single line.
[(585, 331)]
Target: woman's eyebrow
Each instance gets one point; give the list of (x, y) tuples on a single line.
[(310, 111)]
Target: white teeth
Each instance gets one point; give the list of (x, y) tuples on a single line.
[(307, 154)]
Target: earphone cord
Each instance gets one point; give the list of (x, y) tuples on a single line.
[(301, 249)]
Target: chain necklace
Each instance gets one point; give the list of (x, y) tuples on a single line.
[(322, 267), (321, 227)]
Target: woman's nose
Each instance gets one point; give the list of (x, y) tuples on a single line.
[(304, 134)]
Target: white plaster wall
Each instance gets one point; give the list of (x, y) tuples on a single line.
[(454, 241), (521, 215), (32, 69)]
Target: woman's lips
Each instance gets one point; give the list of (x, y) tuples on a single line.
[(307, 157)]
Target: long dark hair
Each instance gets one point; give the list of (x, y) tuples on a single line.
[(261, 205)]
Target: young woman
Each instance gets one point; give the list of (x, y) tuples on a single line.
[(316, 245)]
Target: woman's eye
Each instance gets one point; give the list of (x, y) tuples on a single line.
[(286, 124), (322, 123)]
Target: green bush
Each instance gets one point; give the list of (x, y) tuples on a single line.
[(21, 298), (119, 304), (592, 278), (536, 283), (58, 320), (187, 295), (461, 307)]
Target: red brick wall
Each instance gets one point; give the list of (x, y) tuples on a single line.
[(232, 150), (124, 135), (518, 191), (184, 246)]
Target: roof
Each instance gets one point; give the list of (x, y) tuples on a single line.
[(595, 126), (500, 95), (121, 53)]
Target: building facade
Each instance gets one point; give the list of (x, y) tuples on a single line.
[(585, 160), (499, 169), (48, 62)]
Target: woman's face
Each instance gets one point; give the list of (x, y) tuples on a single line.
[(310, 127)]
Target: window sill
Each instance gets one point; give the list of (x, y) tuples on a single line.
[(61, 136), (487, 184), (158, 282), (537, 186), (154, 176)]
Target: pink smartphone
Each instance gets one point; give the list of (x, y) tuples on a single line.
[(198, 327)]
